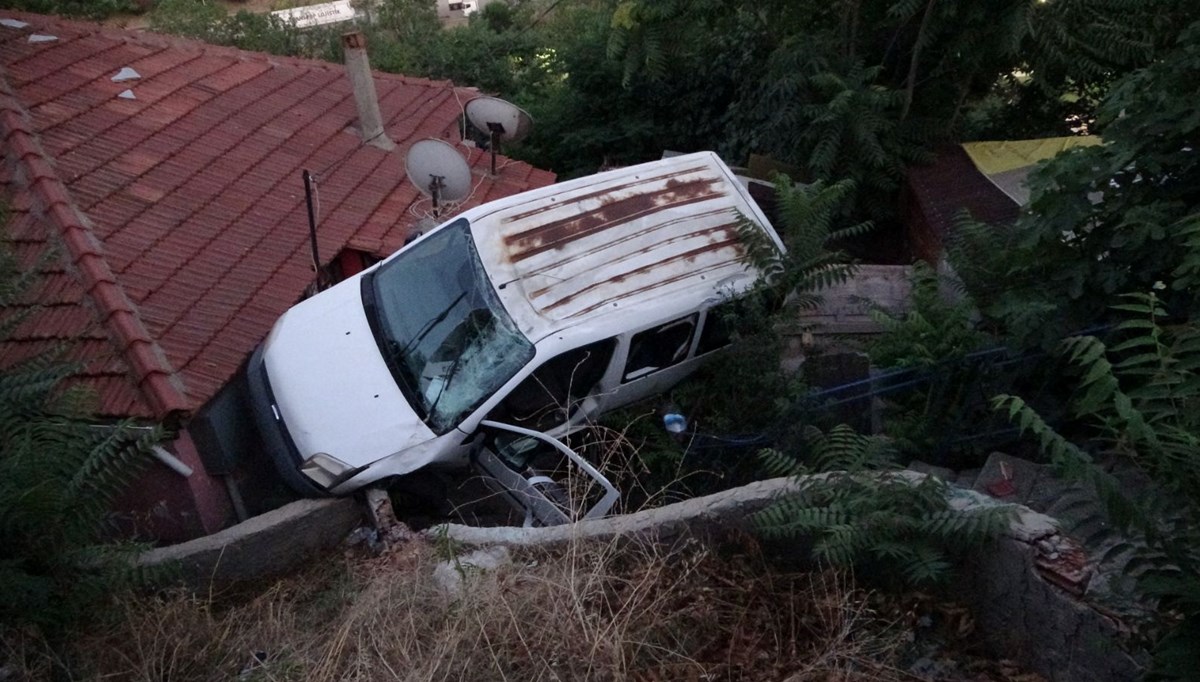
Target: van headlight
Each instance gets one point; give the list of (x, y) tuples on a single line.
[(325, 470)]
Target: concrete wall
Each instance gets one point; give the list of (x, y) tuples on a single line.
[(265, 545), (845, 308), (164, 506), (1008, 584)]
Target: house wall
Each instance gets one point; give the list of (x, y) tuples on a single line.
[(925, 240), (163, 506)]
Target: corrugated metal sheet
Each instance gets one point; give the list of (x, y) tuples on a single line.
[(616, 239), (936, 194)]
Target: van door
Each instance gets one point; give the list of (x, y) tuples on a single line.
[(561, 391), (540, 476)]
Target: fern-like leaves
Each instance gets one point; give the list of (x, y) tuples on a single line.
[(59, 474), (1138, 401), (856, 511)]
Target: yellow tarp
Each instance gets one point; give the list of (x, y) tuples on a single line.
[(992, 158)]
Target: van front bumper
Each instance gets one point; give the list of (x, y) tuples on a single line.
[(273, 431)]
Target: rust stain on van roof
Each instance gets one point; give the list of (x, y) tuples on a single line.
[(615, 210), (621, 240), (714, 238), (639, 182), (686, 257)]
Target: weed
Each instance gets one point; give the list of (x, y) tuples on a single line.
[(585, 611)]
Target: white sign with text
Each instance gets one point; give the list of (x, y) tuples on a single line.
[(317, 15)]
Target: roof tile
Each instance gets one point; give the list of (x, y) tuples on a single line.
[(195, 235)]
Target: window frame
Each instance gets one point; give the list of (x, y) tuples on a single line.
[(689, 346)]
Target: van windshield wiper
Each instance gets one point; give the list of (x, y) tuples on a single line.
[(428, 326), (442, 390), (475, 324)]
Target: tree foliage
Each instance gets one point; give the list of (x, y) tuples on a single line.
[(859, 88), (860, 511), (1139, 403), (91, 9), (208, 21), (1123, 216), (931, 342), (850, 89), (59, 474)]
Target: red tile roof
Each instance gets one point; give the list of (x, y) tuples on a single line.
[(176, 221)]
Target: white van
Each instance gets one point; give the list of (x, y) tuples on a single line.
[(505, 328)]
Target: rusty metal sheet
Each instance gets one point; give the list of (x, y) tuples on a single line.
[(613, 241)]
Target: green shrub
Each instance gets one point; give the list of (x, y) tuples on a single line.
[(208, 21), (92, 9), (932, 340), (860, 511), (59, 473), (1138, 406), (1112, 218)]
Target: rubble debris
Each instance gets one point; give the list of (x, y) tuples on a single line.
[(1064, 562), (386, 528), (450, 575)]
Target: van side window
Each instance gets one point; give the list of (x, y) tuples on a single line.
[(716, 329), (546, 398), (659, 347)]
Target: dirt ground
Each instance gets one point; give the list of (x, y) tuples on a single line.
[(589, 611)]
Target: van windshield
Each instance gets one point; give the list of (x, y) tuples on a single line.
[(441, 328)]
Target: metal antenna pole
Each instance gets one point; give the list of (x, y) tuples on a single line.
[(435, 190), (496, 129), (312, 221)]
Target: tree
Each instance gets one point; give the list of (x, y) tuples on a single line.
[(857, 88), (59, 473), (1121, 217), (1135, 409), (92, 9)]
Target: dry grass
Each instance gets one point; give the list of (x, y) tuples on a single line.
[(587, 612)]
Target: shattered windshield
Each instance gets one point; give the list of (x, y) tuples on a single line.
[(441, 328)]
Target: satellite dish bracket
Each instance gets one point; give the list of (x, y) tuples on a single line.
[(439, 172), (497, 130), (503, 122), (436, 183)]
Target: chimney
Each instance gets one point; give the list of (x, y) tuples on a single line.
[(370, 122)]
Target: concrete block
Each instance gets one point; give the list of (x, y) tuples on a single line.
[(264, 545), (1022, 478), (1024, 617), (452, 575), (932, 470), (721, 512), (845, 308)]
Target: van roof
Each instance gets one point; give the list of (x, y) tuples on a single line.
[(661, 234)]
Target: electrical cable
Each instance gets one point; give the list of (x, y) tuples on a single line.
[(699, 441)]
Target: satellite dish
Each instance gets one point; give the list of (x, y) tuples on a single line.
[(504, 121), (439, 171)]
